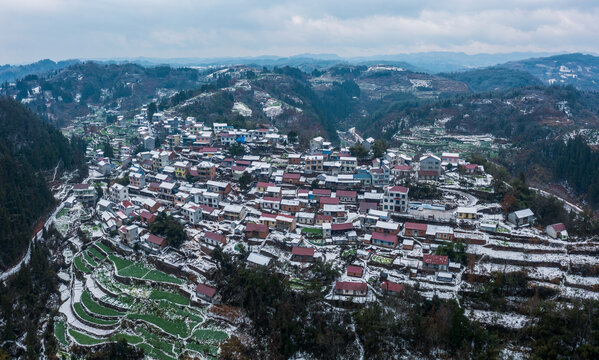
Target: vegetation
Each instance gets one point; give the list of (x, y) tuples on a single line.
[(172, 297), (494, 79), (168, 227), (456, 252), (96, 308)]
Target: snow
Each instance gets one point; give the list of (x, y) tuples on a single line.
[(507, 320)]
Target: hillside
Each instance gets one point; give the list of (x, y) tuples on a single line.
[(494, 79), (13, 72), (28, 147), (579, 70)]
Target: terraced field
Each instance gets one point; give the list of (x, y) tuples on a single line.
[(158, 318)]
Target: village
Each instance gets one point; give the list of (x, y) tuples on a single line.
[(257, 194)]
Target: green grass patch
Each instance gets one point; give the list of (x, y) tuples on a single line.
[(119, 262), (135, 271), (382, 260), (131, 339), (104, 248), (349, 252), (153, 352), (89, 259), (80, 265), (207, 335), (172, 297), (155, 341), (162, 277), (94, 320), (62, 213), (96, 308), (96, 253), (60, 332), (84, 339), (173, 327)]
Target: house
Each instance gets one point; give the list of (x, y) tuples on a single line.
[(305, 218), (234, 212), (437, 232), (291, 205), (355, 271), (328, 201), (427, 175), (386, 240), (415, 229), (255, 259), (391, 288), (302, 254), (291, 178), (285, 222), (270, 203), (380, 176), (336, 211), (220, 187), (262, 186), (348, 164), (523, 217), (182, 168), (395, 199), (205, 292), (129, 233), (313, 163), (401, 171), (213, 238), (387, 227), (450, 158), (341, 229), (320, 193), (193, 213), (467, 212), (434, 263), (469, 168), (316, 144), (85, 194), (430, 163), (408, 244), (347, 196), (557, 231), (349, 288), (147, 217), (137, 180), (253, 230), (156, 242), (204, 170)]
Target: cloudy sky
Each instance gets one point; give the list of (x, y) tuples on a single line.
[(61, 29)]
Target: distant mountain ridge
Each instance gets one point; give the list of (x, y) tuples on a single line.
[(13, 72)]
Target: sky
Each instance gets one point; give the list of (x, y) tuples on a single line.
[(31, 30)]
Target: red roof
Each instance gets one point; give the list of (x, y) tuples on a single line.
[(391, 286), (302, 251), (238, 168), (272, 216), (399, 189), (559, 227), (206, 290), (256, 227), (347, 193), (366, 205), (353, 269), (206, 208), (471, 166), (415, 226), (435, 259), (80, 186), (303, 191), (243, 162), (156, 240), (127, 203), (384, 237), (264, 184), (323, 217), (329, 201), (271, 198), (208, 149), (292, 176), (348, 285), (321, 192), (344, 226), (428, 173), (146, 215), (214, 236)]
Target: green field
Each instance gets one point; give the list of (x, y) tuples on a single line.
[(155, 353), (173, 327), (97, 254), (89, 259), (206, 335), (62, 213), (60, 332), (203, 348), (96, 308), (80, 265), (162, 277), (172, 297), (134, 271), (85, 316), (103, 247), (84, 339), (119, 262), (382, 260), (131, 339)]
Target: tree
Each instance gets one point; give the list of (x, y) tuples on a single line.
[(108, 151), (170, 229), (379, 148), (358, 151), (292, 136), (152, 109), (236, 150), (245, 180)]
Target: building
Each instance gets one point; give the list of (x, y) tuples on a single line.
[(348, 196), (557, 231), (523, 217), (415, 229), (430, 162), (396, 199), (355, 271), (137, 179), (205, 292), (220, 187), (118, 193), (434, 263), (253, 230), (313, 163), (441, 233), (450, 158), (386, 240), (85, 194), (316, 144), (467, 212), (255, 259), (213, 238), (234, 212), (302, 254), (391, 288), (156, 242), (348, 288)]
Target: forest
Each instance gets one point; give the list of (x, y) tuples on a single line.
[(29, 146)]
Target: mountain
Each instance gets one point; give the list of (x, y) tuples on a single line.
[(13, 72), (494, 79), (29, 146), (579, 70)]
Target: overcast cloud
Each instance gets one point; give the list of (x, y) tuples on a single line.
[(61, 29)]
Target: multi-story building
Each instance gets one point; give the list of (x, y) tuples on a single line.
[(396, 199)]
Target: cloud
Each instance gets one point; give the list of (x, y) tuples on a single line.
[(59, 29)]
